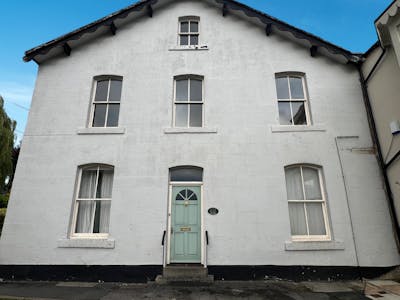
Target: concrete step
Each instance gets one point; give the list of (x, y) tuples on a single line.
[(188, 281), (185, 272)]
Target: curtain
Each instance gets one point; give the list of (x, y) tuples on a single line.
[(104, 189), (297, 219), (86, 208), (84, 218), (88, 184), (311, 184), (294, 186), (99, 210), (104, 216), (315, 216), (103, 207)]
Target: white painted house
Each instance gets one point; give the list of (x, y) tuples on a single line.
[(237, 141)]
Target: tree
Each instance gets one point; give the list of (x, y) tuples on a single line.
[(14, 158), (7, 127)]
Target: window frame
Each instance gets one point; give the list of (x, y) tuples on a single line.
[(327, 236), (92, 235), (107, 103), (305, 100), (188, 102), (188, 19)]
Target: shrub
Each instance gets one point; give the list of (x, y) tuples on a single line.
[(4, 200), (2, 216)]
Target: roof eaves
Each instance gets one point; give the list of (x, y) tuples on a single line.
[(92, 27), (386, 10), (298, 33), (232, 4)]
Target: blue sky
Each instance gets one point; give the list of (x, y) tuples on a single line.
[(25, 24)]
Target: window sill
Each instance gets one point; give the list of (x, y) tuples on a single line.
[(190, 130), (297, 128), (189, 48), (101, 130), (86, 243), (313, 245)]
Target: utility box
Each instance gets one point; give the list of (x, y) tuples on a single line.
[(395, 127)]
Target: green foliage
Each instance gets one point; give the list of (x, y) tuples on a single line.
[(2, 216), (7, 127), (4, 200)]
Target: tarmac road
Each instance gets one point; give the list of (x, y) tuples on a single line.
[(269, 289)]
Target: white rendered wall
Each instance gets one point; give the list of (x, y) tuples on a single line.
[(243, 162)]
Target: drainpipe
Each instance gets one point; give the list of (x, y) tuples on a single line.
[(381, 161)]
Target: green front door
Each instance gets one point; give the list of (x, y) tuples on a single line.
[(185, 224)]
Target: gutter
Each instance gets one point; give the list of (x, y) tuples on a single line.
[(375, 139)]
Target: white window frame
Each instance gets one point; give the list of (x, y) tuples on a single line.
[(308, 237), (73, 234), (290, 99), (94, 103), (188, 19), (189, 77)]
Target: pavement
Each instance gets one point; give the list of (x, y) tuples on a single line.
[(382, 289), (268, 289)]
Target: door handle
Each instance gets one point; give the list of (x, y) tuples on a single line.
[(172, 230)]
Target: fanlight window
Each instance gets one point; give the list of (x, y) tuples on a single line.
[(186, 195), (193, 174)]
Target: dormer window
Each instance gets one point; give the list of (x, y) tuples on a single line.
[(189, 31)]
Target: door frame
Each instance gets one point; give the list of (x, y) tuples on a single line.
[(169, 223)]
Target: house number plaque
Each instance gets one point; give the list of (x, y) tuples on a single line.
[(186, 229)]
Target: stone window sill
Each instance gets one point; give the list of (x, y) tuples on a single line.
[(189, 48), (190, 130), (86, 243), (298, 128), (101, 130), (313, 245)]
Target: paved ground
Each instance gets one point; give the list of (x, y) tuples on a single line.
[(271, 290), (382, 289)]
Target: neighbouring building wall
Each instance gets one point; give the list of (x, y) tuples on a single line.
[(384, 91), (243, 154)]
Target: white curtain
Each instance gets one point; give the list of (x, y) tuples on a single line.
[(294, 186), (315, 217), (84, 218), (88, 184), (311, 184), (104, 216), (105, 184), (104, 206), (297, 219), (86, 209)]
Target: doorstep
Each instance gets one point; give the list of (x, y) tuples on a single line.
[(192, 275)]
